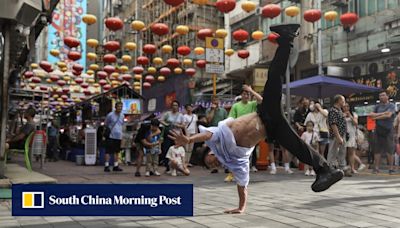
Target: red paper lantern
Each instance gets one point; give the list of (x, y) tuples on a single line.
[(76, 73), (54, 77), (240, 35), (79, 80), (65, 90), (43, 88), (173, 63), (149, 49), (165, 71), (107, 87), (127, 77), (225, 6), (109, 69), (348, 19), (143, 60), (102, 82), (160, 29), (272, 37), (110, 58), (77, 67), (138, 70), (146, 85), (201, 63), (244, 54), (112, 46), (87, 92), (174, 2), (149, 78), (28, 74), (190, 71), (71, 42), (64, 97), (74, 55), (85, 85), (271, 11), (102, 75), (312, 15), (36, 80), (203, 33), (184, 50), (61, 83), (114, 23), (45, 65)]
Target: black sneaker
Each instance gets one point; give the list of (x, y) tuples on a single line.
[(137, 174), (287, 32), (107, 169), (227, 171), (214, 171), (117, 169), (326, 177)]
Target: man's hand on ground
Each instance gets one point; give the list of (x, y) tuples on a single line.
[(234, 211)]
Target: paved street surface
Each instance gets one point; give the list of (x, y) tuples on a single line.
[(274, 201)]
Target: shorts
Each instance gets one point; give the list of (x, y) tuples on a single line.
[(113, 146), (324, 141), (384, 144)]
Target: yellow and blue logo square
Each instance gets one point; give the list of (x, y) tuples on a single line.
[(32, 199)]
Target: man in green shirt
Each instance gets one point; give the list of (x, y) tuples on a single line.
[(241, 108)]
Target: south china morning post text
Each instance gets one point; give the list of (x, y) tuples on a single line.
[(102, 200), (117, 200)]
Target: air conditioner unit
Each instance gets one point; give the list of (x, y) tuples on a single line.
[(90, 146), (358, 71), (340, 3), (375, 67)]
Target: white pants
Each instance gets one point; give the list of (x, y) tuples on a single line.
[(337, 153)]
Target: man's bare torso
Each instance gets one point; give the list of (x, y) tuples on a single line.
[(248, 130)]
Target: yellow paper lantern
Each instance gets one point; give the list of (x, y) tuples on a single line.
[(49, 80), (229, 52), (137, 88), (137, 25), (257, 35), (90, 72), (131, 46), (67, 78), (77, 89), (34, 65), (96, 85), (64, 69), (91, 80), (91, 56), (138, 77), (248, 6), (178, 70), (55, 52), (59, 99), (199, 50), (151, 70), (161, 78), (187, 62), (61, 64), (89, 19), (166, 49), (221, 33), (182, 29), (92, 43), (55, 96), (114, 75), (94, 67), (136, 84), (158, 61), (331, 15), (123, 68), (126, 58), (200, 2), (73, 83), (292, 11)]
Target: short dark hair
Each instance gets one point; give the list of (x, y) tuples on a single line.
[(188, 105), (118, 103), (30, 112), (337, 98), (310, 122), (384, 91), (155, 122), (175, 101)]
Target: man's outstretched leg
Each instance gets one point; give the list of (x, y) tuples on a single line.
[(277, 125)]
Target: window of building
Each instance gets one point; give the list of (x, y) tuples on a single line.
[(392, 4), (381, 5), (362, 8), (372, 7)]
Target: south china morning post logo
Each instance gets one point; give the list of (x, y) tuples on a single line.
[(103, 200), (33, 200)]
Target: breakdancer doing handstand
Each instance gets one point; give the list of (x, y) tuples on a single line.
[(232, 142)]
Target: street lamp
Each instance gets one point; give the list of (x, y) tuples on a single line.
[(345, 59), (385, 50)]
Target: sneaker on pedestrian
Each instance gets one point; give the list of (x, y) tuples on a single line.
[(288, 171), (214, 171), (107, 169), (273, 171), (354, 171), (137, 174), (312, 173), (254, 169), (229, 177), (361, 168), (117, 169), (307, 173), (173, 173), (347, 173), (157, 173), (147, 173), (189, 165)]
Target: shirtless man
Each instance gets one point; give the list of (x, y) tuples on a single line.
[(232, 142)]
